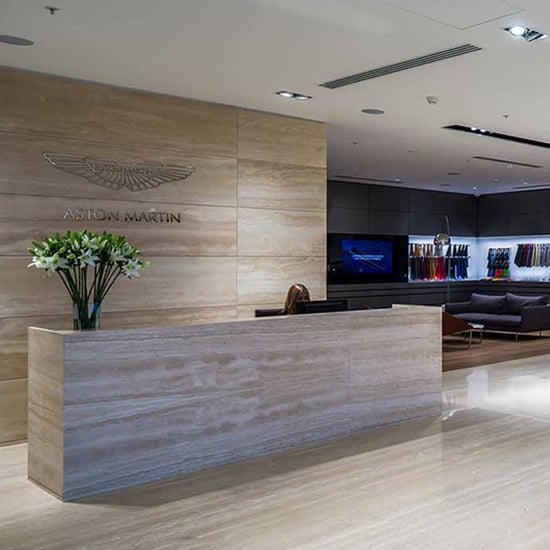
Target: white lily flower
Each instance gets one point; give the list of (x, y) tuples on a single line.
[(39, 262), (87, 258), (131, 268), (116, 255), (55, 262)]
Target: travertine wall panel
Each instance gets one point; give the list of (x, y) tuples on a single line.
[(279, 186), (202, 230), (61, 107), (26, 171), (13, 409), (169, 283), (264, 232), (266, 280), (194, 276), (264, 136)]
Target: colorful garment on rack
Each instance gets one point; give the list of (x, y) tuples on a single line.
[(532, 255), (498, 263), (430, 262)]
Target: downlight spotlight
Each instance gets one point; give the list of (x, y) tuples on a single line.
[(525, 32), (293, 95), (517, 30)]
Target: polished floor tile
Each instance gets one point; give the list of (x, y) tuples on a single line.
[(478, 478)]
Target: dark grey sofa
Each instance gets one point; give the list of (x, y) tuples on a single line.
[(508, 312)]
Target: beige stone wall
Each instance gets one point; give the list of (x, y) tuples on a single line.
[(253, 214)]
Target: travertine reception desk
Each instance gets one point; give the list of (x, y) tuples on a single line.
[(110, 409)]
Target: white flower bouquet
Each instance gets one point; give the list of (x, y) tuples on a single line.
[(88, 264)]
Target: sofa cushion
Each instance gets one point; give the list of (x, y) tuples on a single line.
[(483, 303), (491, 319), (515, 303)]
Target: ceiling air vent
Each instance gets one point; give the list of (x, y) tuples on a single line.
[(401, 66)]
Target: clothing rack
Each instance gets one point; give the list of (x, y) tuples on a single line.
[(498, 263), (430, 262), (533, 255)]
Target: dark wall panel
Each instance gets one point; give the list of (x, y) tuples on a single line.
[(522, 213), (347, 195), (426, 223), (429, 201), (384, 198), (388, 222), (535, 223), (396, 211), (347, 220), (492, 215), (465, 226)]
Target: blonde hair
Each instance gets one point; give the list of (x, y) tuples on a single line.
[(296, 293)]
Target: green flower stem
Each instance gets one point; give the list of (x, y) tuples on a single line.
[(59, 272), (117, 275)]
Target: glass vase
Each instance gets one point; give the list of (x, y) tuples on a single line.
[(86, 316)]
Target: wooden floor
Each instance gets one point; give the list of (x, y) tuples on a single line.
[(495, 348), (476, 478)]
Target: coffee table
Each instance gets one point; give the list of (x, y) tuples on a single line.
[(477, 327)]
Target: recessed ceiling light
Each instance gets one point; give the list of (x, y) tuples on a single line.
[(398, 180), (524, 32), (517, 30), (292, 95), (525, 183), (474, 188), (15, 40), (495, 180), (372, 111)]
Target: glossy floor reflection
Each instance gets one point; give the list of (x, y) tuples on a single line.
[(477, 479)]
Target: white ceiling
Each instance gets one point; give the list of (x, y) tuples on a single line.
[(240, 52)]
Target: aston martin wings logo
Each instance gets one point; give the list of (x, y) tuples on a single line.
[(112, 174)]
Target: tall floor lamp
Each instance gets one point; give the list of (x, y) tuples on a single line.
[(442, 239)]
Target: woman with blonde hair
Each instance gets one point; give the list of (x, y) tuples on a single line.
[(297, 292)]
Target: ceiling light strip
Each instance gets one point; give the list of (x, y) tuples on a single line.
[(535, 186), (504, 161), (498, 135), (401, 66), (366, 179)]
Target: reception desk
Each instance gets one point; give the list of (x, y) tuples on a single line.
[(111, 409)]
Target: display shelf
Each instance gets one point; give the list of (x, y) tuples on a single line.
[(529, 258), (429, 262)]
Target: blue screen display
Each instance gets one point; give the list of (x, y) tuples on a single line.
[(367, 257)]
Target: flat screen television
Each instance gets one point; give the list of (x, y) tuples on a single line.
[(321, 306), (354, 258)]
